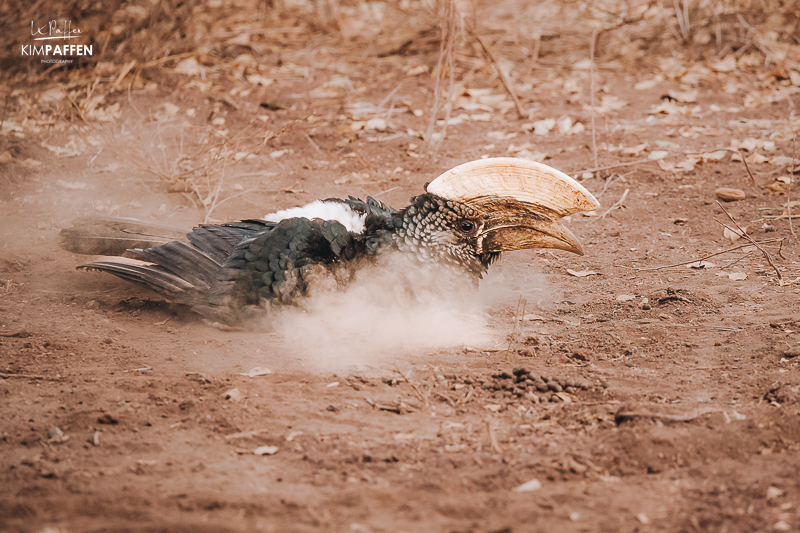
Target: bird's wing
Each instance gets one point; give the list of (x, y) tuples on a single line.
[(282, 265), (180, 270)]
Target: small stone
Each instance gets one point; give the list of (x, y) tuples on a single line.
[(529, 486), (641, 517), (233, 394), (107, 419), (772, 492), (376, 124)]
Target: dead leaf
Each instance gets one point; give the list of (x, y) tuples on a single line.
[(733, 235), (701, 265), (258, 79), (636, 150), (416, 71), (686, 97), (727, 64), (668, 107), (737, 276), (529, 486), (189, 66), (775, 187), (582, 273), (266, 450), (730, 195), (543, 127), (258, 371)]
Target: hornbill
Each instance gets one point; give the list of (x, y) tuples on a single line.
[(229, 272)]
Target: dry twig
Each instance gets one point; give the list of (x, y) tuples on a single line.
[(617, 205), (245, 434), (689, 262), (416, 390), (493, 438), (591, 78), (623, 414), (449, 24), (28, 376), (791, 181), (744, 234), (747, 168), (501, 74)]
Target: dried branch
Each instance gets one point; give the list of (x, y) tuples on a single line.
[(747, 168), (617, 205), (493, 438), (750, 239), (709, 256), (500, 73), (791, 182), (28, 376), (416, 390), (449, 24), (591, 78)]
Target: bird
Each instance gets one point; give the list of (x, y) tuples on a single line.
[(230, 273)]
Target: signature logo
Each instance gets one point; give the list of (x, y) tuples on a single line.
[(50, 31)]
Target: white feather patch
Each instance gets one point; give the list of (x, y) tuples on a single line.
[(326, 211)]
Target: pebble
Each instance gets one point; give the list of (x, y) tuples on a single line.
[(529, 486), (57, 436), (233, 394)]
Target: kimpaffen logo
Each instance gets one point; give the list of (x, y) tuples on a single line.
[(50, 31)]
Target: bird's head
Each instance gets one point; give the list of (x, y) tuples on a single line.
[(477, 210)]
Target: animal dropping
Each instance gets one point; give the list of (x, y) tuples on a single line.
[(232, 273)]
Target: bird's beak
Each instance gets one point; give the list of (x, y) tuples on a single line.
[(515, 226), (524, 201)]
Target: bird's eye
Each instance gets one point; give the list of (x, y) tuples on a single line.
[(466, 226)]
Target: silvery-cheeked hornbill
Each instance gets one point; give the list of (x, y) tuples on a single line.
[(228, 272)]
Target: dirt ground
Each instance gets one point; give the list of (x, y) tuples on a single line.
[(679, 406)]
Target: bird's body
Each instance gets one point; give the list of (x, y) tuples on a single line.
[(231, 272)]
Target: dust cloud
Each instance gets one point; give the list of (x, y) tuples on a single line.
[(389, 310), (395, 310)]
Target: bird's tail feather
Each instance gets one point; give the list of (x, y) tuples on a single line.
[(183, 260), (114, 236), (149, 276), (179, 266)]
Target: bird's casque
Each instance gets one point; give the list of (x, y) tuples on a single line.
[(229, 272)]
